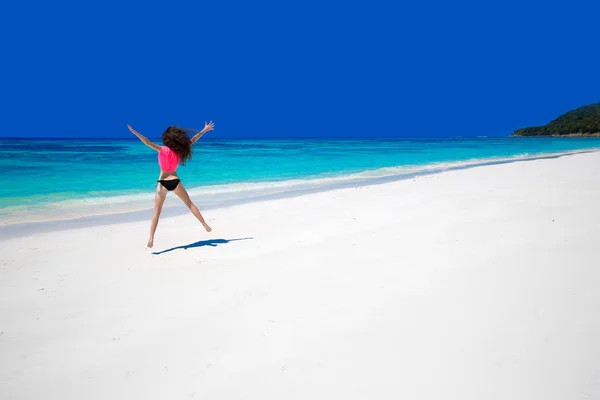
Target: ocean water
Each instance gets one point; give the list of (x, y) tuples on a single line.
[(55, 179)]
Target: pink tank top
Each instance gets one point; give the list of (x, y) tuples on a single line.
[(167, 159)]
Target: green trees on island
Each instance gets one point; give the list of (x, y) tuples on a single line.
[(581, 121)]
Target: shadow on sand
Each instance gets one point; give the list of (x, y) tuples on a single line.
[(210, 242)]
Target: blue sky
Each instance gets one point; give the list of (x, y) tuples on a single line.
[(276, 69)]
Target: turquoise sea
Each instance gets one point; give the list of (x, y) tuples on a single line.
[(53, 179)]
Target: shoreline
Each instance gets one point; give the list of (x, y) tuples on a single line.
[(14, 230)]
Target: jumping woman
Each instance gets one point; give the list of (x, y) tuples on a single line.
[(176, 149)]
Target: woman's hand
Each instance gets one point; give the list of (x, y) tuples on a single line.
[(208, 127), (131, 129)]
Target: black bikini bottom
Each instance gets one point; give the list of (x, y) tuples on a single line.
[(170, 184)]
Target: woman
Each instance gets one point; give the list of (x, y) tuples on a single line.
[(176, 149)]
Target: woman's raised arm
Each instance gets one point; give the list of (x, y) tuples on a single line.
[(144, 139), (207, 127)]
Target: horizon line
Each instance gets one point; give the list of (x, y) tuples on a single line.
[(255, 137)]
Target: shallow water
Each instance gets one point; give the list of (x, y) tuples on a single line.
[(69, 178)]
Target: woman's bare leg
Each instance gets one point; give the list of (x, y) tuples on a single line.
[(159, 200), (183, 195)]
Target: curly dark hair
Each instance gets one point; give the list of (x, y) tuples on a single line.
[(178, 140)]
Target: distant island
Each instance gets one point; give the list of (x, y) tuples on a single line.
[(583, 121)]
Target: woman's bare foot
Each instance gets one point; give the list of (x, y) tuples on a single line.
[(208, 228), (150, 243)]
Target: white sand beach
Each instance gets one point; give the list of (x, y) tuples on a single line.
[(481, 283)]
